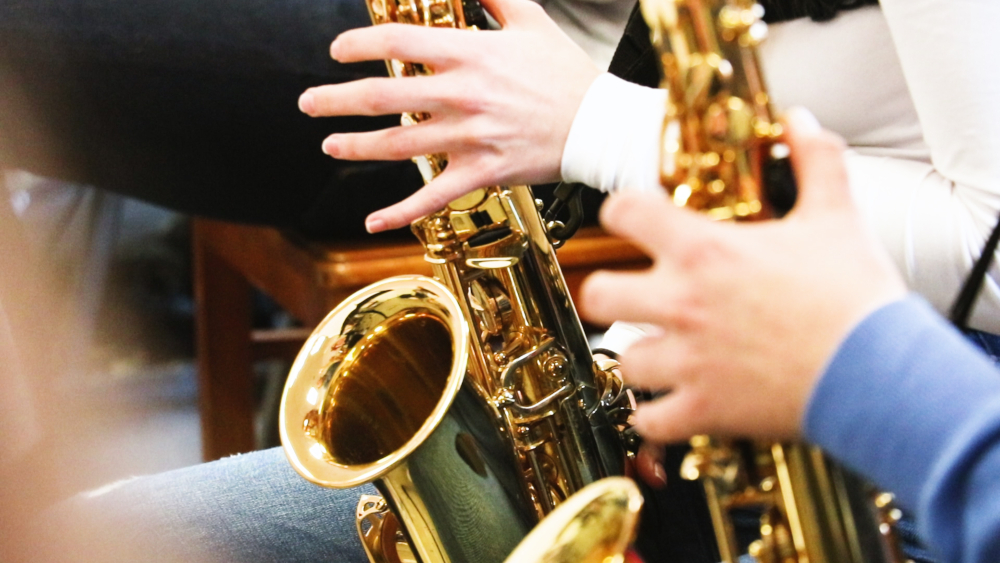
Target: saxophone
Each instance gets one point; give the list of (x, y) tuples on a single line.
[(470, 399), (722, 154)]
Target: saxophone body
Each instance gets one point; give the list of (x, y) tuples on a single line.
[(470, 399), (722, 154)]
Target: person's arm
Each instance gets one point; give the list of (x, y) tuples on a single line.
[(911, 404), (501, 103), (800, 327), (934, 218)]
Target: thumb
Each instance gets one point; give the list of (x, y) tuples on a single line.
[(818, 160), (669, 419)]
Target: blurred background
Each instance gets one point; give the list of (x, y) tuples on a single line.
[(121, 269)]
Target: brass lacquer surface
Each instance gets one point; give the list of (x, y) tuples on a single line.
[(720, 140), (596, 525), (810, 510), (471, 399), (719, 133), (380, 400), (359, 397)]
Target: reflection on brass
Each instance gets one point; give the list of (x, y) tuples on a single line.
[(811, 511), (378, 401), (719, 140), (596, 525), (379, 531), (470, 399), (719, 132)]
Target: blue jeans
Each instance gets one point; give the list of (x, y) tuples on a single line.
[(255, 508), (246, 508)]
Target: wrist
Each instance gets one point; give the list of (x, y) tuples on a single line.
[(614, 140)]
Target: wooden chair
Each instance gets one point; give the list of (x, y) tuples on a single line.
[(307, 280)]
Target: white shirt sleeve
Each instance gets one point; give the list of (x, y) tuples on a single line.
[(620, 335), (934, 217), (614, 141)]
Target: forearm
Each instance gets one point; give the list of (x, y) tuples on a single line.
[(909, 403)]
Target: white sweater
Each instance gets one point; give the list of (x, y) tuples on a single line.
[(914, 88)]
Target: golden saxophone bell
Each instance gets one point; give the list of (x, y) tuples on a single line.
[(471, 400), (379, 393), (373, 380)]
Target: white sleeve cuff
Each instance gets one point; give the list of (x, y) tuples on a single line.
[(620, 336), (614, 142)]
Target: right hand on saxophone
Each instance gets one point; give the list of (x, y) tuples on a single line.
[(750, 313), (502, 103)]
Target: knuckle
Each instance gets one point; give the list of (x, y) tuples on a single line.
[(375, 97), (396, 144), (392, 40), (661, 311), (706, 252), (464, 100), (688, 316)]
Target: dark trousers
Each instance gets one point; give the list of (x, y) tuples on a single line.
[(191, 104)]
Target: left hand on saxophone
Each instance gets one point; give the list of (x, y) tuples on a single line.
[(501, 102)]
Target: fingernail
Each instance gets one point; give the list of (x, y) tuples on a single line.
[(333, 50), (659, 473), (306, 103), (330, 146), (804, 121), (374, 225)]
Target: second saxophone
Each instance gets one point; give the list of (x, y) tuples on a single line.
[(722, 154)]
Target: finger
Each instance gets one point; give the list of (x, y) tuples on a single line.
[(374, 96), (650, 221), (818, 160), (450, 185), (669, 419), (649, 465), (395, 143), (653, 363), (606, 297), (433, 46)]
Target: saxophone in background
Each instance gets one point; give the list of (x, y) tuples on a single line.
[(722, 154), (470, 399)]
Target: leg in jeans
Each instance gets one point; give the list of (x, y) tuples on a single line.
[(251, 508)]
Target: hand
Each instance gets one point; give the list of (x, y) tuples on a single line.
[(501, 103), (750, 313)]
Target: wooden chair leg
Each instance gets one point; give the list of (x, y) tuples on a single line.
[(225, 377)]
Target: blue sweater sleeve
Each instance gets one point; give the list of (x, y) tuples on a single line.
[(909, 403)]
